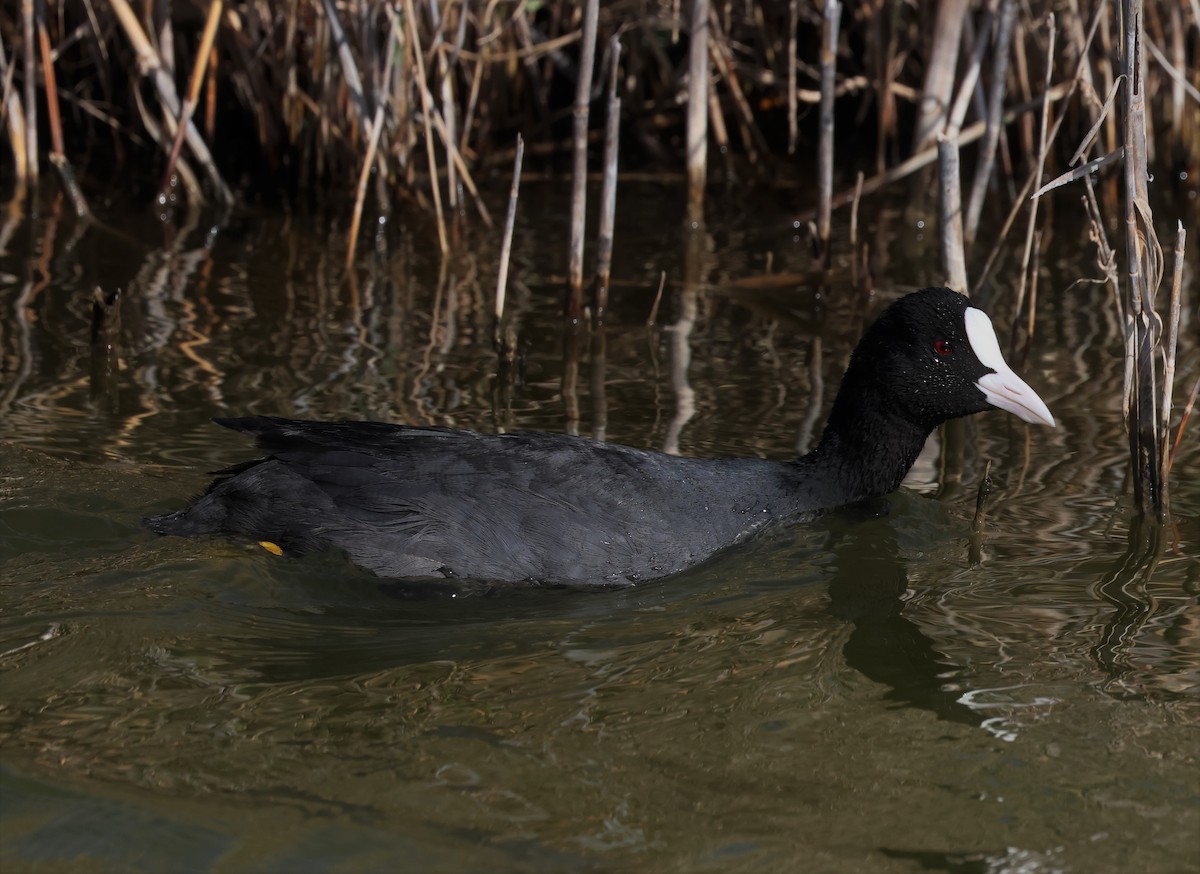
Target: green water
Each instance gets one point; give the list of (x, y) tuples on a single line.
[(874, 692)]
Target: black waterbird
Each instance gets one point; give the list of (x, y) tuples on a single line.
[(425, 502)]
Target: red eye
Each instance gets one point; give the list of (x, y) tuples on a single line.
[(943, 347)]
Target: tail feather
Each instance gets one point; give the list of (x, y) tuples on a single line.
[(201, 517)]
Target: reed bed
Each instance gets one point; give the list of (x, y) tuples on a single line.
[(415, 101), (273, 91)]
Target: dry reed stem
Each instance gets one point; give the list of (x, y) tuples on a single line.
[(939, 72), (509, 223), (950, 213), (858, 260), (662, 284), (31, 140), (966, 88), (1038, 171), (58, 156), (1105, 110), (360, 194), (583, 94), (7, 73), (1144, 271), (1080, 172), (995, 106), (831, 21), (716, 119), (1065, 91), (193, 94), (923, 159), (792, 97), (410, 19), (150, 65), (981, 498), (885, 68), (448, 114), (1183, 422), (1106, 258), (52, 116), (1031, 309), (752, 139), (15, 119), (1165, 455), (697, 111), (1180, 82), (456, 160), (858, 188), (349, 66), (608, 194), (954, 259)]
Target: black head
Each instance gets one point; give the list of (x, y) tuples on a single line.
[(929, 357)]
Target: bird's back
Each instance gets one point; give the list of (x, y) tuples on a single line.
[(415, 502)]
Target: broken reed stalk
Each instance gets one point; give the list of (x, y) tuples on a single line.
[(986, 156), (697, 112), (509, 221), (1144, 266), (193, 93), (829, 43), (583, 95), (981, 498), (105, 352), (975, 544), (608, 194)]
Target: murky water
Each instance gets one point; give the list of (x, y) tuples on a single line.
[(875, 692)]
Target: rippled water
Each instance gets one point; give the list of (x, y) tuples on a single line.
[(874, 692)]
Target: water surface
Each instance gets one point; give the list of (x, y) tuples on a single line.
[(877, 691)]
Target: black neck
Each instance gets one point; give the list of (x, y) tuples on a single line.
[(865, 452)]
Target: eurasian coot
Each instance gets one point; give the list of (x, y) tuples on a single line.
[(426, 502)]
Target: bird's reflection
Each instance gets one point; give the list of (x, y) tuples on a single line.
[(860, 558), (869, 579)]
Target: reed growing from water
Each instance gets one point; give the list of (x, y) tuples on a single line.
[(411, 101)]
